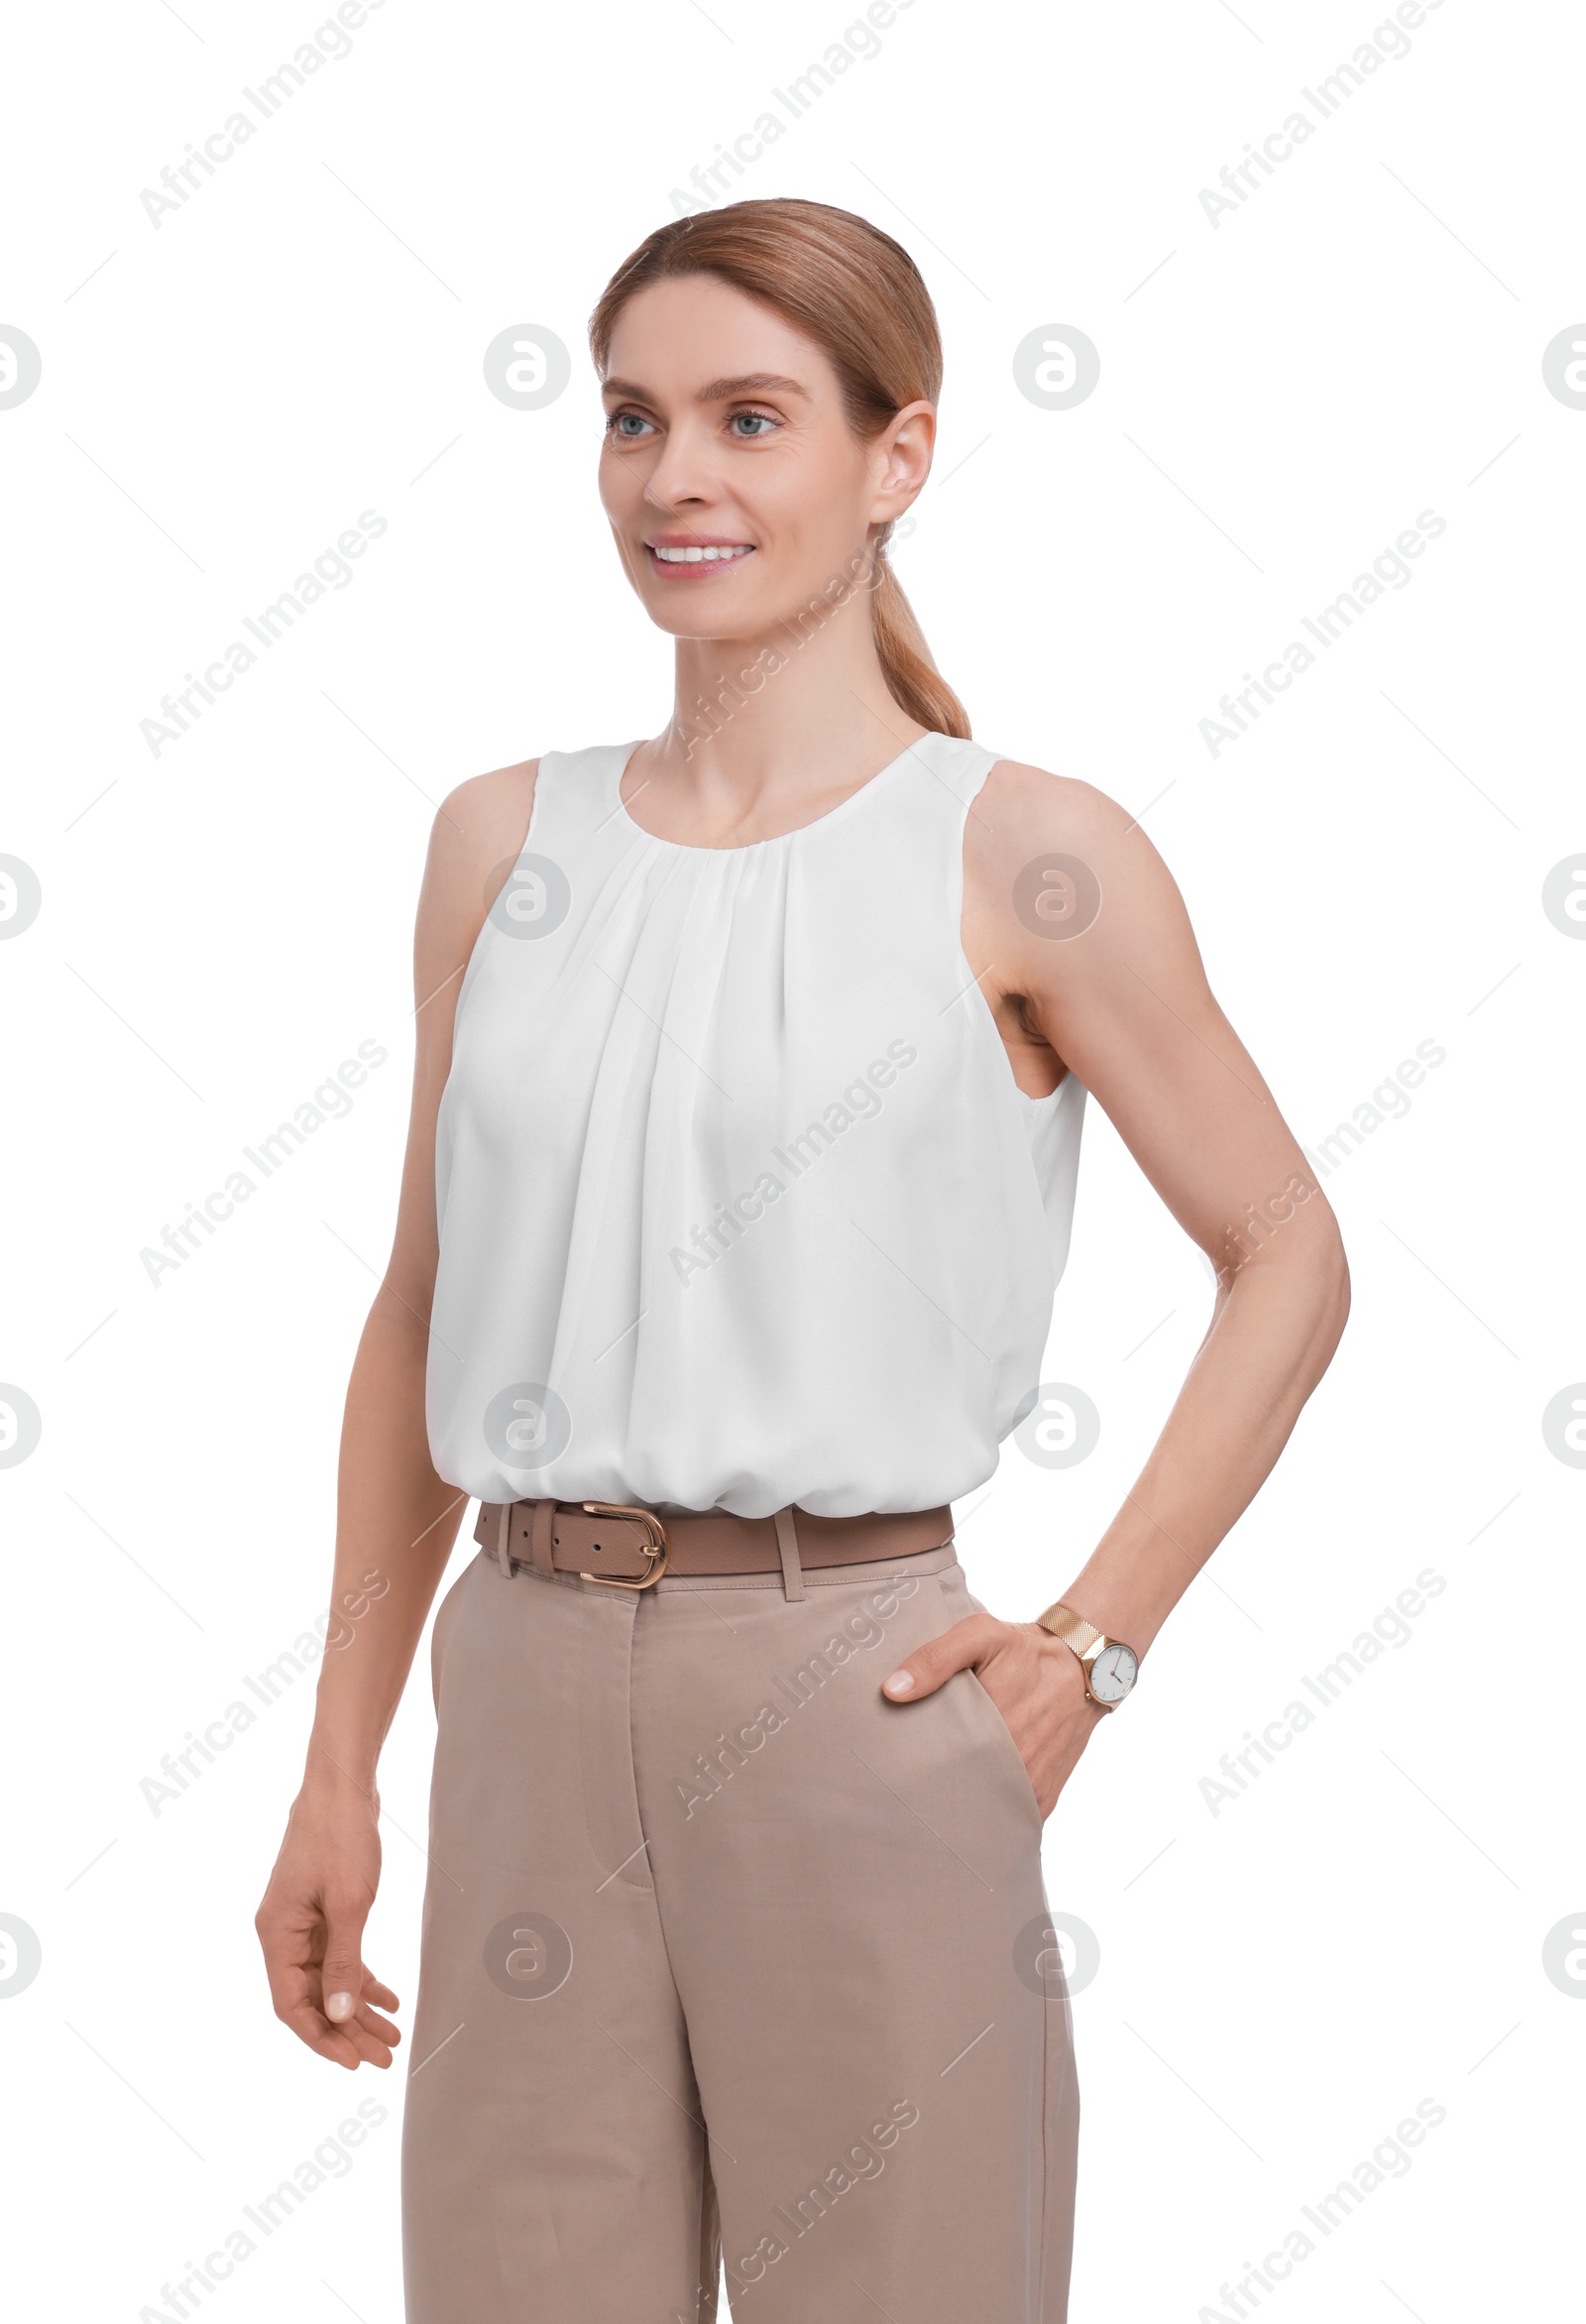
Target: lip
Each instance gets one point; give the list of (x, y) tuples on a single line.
[(693, 571)]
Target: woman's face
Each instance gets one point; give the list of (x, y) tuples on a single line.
[(725, 430)]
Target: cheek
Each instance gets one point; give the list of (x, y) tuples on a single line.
[(815, 547), (618, 485)]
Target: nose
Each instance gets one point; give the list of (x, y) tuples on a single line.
[(682, 475)]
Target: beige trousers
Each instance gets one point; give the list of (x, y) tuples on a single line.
[(728, 1958)]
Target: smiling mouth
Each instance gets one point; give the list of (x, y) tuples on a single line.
[(695, 557)]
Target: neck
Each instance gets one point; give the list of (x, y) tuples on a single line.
[(764, 723)]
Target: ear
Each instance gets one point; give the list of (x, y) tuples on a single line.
[(902, 454)]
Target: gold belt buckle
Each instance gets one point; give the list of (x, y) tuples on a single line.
[(656, 1547)]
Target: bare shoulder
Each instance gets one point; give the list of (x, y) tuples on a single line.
[(1016, 898), (476, 836), (1025, 812), (486, 817), (1022, 811)]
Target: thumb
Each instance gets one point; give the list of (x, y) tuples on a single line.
[(341, 1975), (932, 1665)]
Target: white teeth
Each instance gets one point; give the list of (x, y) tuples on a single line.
[(698, 556)]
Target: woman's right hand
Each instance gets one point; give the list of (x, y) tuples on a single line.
[(312, 1927)]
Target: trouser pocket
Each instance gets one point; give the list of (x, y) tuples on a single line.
[(1001, 1738), (985, 1717)]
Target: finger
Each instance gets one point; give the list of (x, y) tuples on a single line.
[(290, 1942), (341, 1974), (364, 2039), (371, 2050), (369, 2014), (309, 2026), (295, 1992), (381, 2028), (930, 1665), (372, 2035)]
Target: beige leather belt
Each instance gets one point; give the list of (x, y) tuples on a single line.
[(630, 1547)]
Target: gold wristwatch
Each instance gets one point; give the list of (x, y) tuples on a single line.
[(1110, 1667)]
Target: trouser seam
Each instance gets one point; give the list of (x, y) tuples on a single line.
[(703, 2127)]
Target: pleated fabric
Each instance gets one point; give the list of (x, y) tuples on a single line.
[(739, 1204)]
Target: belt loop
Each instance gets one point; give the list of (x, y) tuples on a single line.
[(787, 1541), (501, 1518), (542, 1514)]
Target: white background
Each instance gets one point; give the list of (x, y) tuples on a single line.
[(1281, 394)]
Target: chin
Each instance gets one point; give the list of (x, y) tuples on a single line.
[(746, 621)]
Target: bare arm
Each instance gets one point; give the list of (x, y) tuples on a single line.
[(396, 1520), (1122, 1000)]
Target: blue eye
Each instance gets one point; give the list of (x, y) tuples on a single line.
[(614, 426), (758, 420)]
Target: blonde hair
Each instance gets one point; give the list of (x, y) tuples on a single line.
[(859, 297)]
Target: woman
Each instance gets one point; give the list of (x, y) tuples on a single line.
[(748, 1088)]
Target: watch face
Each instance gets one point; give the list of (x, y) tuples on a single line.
[(1113, 1673)]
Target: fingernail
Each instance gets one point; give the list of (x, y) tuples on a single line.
[(900, 1682), (339, 2004)]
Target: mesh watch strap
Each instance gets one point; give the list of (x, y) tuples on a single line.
[(1071, 1628)]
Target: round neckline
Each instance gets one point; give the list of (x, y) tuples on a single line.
[(683, 847)]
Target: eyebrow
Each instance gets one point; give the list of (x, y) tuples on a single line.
[(748, 382)]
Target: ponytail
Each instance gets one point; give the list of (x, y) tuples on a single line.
[(913, 680)]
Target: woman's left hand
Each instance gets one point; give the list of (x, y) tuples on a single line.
[(1035, 1681)]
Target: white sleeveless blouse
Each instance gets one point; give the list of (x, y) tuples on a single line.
[(740, 1202)]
